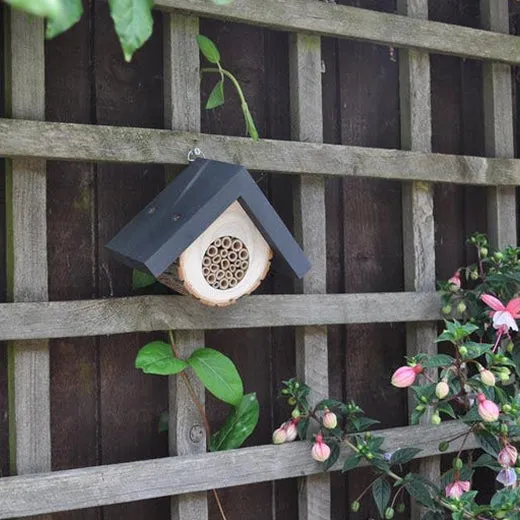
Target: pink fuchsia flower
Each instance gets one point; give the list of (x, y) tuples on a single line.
[(504, 316), (487, 377), (291, 430), (320, 451), (508, 456), (455, 280), (405, 376), (457, 488), (487, 409), (507, 477), (279, 435), (330, 421)]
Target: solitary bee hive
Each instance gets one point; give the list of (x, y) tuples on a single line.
[(211, 233)]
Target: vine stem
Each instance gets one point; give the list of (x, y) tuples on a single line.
[(230, 76), (202, 413)]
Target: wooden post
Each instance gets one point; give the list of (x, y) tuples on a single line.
[(311, 342), (29, 416), (418, 221), (182, 112), (498, 128)]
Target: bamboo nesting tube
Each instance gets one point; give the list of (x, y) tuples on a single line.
[(231, 243), (225, 262)]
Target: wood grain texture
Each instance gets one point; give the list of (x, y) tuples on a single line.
[(182, 112), (309, 218), (29, 420), (359, 24), (153, 313), (498, 128), (147, 146), (418, 218), (121, 483), (72, 249)]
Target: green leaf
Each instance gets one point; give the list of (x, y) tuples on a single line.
[(47, 8), (70, 14), (303, 426), (334, 454), (141, 280), (488, 442), (239, 425), (381, 491), (351, 462), (218, 374), (486, 461), (216, 98), (439, 360), (420, 492), (157, 358), (404, 455), (208, 49), (133, 23)]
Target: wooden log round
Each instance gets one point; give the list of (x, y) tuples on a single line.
[(225, 262)]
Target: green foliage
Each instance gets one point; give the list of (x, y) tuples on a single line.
[(157, 358), (381, 492), (142, 280), (218, 374), (404, 455), (239, 425), (208, 49), (133, 23)]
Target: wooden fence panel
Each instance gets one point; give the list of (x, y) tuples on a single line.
[(27, 261)]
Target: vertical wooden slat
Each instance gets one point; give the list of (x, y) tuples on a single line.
[(27, 250), (418, 221), (498, 128), (182, 112), (309, 216)]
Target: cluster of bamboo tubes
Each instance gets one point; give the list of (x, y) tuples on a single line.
[(225, 263)]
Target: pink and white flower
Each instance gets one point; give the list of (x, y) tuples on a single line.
[(320, 451), (487, 409), (455, 280), (405, 376), (504, 316), (508, 456), (330, 421), (507, 477), (457, 488)]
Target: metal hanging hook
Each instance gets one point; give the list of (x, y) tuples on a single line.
[(195, 153)]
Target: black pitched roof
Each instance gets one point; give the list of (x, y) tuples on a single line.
[(158, 235)]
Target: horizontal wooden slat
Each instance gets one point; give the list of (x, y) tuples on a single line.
[(77, 142), (359, 24), (154, 313), (118, 483)]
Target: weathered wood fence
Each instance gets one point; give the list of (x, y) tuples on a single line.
[(30, 320)]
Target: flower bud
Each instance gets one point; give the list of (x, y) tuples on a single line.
[(444, 445), (457, 463), (463, 351), (436, 419), (487, 377), (454, 282), (279, 435), (291, 401), (474, 275), (296, 413), (354, 507), (484, 252), (506, 408), (442, 389), (446, 309), (330, 421), (507, 456), (405, 376), (291, 431), (499, 256), (320, 451), (487, 409), (461, 307), (389, 513), (510, 347), (504, 374)]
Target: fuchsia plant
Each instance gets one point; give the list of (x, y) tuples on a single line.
[(474, 381)]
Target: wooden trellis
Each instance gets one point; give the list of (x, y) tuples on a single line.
[(29, 321)]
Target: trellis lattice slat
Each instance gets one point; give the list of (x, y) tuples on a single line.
[(182, 112), (342, 21), (418, 217), (119, 483), (29, 414), (77, 142), (154, 313)]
